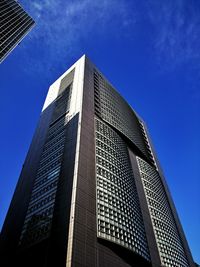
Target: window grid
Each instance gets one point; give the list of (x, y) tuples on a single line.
[(148, 146), (168, 240), (119, 217)]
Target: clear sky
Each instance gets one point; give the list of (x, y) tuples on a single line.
[(149, 50)]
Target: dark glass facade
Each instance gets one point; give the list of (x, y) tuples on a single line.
[(91, 192), (15, 24)]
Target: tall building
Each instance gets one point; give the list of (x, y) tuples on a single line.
[(91, 191), (15, 23)]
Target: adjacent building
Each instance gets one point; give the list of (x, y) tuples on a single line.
[(15, 23), (91, 191)]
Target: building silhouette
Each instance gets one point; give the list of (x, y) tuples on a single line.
[(14, 25), (91, 191)]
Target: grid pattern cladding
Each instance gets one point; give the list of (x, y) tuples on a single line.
[(14, 24), (169, 242), (112, 108), (41, 206), (118, 210)]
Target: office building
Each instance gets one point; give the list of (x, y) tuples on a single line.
[(15, 23), (91, 191)]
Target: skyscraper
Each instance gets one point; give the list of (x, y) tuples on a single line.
[(91, 191), (14, 25)]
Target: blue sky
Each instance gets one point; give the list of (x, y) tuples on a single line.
[(149, 50)]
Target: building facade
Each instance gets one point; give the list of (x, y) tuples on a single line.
[(91, 191), (15, 24)]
